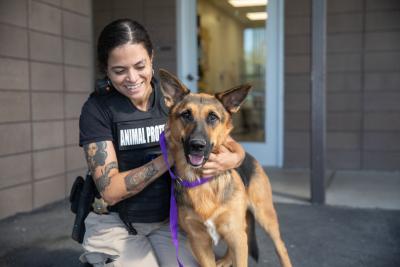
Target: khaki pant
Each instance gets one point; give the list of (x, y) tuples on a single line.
[(107, 243)]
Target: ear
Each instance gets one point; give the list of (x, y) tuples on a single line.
[(173, 89), (233, 98)]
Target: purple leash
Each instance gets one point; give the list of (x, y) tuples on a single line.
[(173, 210)]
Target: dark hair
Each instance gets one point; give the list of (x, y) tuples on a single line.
[(120, 32)]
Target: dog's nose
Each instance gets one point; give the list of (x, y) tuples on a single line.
[(197, 144)]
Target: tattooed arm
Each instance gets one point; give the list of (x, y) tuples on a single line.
[(113, 185)]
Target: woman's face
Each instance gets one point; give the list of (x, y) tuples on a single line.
[(129, 68)]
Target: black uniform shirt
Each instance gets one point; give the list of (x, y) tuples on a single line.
[(135, 135)]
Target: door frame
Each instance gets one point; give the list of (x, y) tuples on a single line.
[(186, 48), (269, 152)]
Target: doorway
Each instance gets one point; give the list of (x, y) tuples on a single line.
[(235, 45)]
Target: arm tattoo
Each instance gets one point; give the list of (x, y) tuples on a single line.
[(96, 155), (104, 180), (136, 180)]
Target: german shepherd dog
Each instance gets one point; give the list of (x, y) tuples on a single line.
[(226, 205)]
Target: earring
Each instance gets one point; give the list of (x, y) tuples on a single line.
[(103, 85), (152, 71)]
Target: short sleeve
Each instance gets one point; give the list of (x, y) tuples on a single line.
[(95, 124)]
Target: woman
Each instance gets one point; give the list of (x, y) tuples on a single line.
[(119, 132)]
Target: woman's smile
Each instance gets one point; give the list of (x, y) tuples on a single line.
[(133, 87)]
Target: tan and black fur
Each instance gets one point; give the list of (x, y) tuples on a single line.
[(199, 124)]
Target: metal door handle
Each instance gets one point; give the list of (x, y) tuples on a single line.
[(190, 77)]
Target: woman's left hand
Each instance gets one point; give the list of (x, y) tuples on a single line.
[(221, 161)]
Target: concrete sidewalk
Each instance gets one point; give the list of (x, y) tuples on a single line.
[(349, 188), (316, 236)]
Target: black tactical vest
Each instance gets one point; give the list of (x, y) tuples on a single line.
[(136, 136)]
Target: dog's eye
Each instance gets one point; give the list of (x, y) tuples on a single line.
[(212, 118), (187, 115)]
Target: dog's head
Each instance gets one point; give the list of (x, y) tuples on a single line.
[(199, 123)]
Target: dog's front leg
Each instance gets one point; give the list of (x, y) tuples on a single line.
[(199, 240), (201, 245), (226, 260), (233, 231), (237, 243)]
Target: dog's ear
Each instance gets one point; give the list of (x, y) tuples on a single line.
[(233, 98), (172, 88)]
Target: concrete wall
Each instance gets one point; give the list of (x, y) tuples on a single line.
[(363, 84), (45, 75)]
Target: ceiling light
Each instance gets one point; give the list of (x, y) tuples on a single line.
[(257, 15), (246, 3)]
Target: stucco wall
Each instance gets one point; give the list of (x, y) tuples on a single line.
[(45, 75)]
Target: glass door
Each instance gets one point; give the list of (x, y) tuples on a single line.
[(240, 42)]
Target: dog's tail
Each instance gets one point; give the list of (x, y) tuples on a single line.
[(251, 235)]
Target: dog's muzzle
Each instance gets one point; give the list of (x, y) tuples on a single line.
[(197, 151)]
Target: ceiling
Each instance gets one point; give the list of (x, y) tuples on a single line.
[(239, 13)]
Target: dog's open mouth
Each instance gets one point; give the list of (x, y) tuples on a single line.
[(196, 160)]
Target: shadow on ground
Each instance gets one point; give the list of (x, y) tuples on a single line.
[(36, 256), (316, 236)]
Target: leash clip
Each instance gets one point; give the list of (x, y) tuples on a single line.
[(179, 180)]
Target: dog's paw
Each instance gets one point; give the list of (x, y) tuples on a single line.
[(212, 231), (225, 262)]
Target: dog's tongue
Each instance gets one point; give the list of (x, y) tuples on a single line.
[(196, 160)]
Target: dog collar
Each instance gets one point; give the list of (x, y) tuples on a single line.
[(173, 210), (185, 183)]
